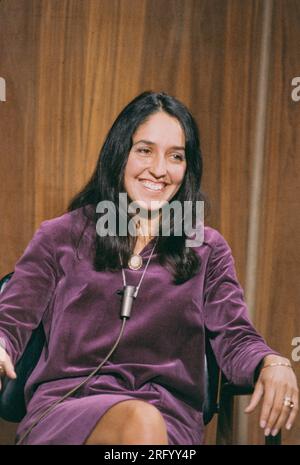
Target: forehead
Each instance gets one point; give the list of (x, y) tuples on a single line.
[(161, 128)]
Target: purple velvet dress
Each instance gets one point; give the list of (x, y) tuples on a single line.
[(160, 358)]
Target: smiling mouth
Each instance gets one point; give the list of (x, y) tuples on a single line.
[(153, 186)]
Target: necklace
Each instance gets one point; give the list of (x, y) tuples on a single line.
[(135, 262), (136, 290)]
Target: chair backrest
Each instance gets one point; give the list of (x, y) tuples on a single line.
[(12, 402), (212, 381), (4, 281)]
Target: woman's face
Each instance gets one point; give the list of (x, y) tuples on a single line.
[(156, 163)]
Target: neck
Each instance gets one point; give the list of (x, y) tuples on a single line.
[(145, 233), (147, 227)]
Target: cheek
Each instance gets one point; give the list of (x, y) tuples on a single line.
[(127, 175), (178, 175), (131, 173), (132, 168)]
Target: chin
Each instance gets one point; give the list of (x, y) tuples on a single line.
[(152, 203)]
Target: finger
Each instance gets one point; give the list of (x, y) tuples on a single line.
[(275, 411), (10, 371), (266, 407), (255, 398), (2, 370), (293, 412), (284, 415)]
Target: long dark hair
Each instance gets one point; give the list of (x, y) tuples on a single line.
[(107, 179)]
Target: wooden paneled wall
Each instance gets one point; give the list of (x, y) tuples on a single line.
[(71, 65), (278, 289)]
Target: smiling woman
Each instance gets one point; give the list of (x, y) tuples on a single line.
[(156, 167), (152, 389), (151, 153)]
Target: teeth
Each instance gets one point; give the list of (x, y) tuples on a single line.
[(153, 186)]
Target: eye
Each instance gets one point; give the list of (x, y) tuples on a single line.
[(178, 156), (144, 150)]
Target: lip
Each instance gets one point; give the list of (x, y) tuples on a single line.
[(153, 191), (154, 182)]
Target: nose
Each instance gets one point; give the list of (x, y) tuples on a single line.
[(158, 167)]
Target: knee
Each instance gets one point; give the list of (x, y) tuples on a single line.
[(144, 425)]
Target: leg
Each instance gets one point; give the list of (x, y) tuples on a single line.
[(130, 422)]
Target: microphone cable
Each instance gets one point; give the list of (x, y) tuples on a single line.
[(128, 296)]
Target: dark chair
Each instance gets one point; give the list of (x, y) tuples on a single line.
[(12, 401), (219, 394), (219, 399)]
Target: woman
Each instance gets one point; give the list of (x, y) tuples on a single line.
[(151, 389)]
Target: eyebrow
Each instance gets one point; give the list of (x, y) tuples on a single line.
[(149, 142)]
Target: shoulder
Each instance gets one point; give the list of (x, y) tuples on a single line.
[(66, 225), (208, 238), (219, 254), (214, 239), (214, 249)]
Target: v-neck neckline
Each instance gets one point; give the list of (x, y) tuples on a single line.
[(148, 246)]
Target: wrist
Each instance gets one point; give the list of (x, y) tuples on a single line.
[(273, 358), (269, 361)]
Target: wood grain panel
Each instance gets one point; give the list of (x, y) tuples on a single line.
[(17, 135), (278, 291), (18, 52), (71, 65)]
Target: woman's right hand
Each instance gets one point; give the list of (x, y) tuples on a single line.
[(6, 366)]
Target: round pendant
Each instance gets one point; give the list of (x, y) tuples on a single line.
[(135, 262)]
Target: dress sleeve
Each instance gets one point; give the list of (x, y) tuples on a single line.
[(237, 346), (28, 292)]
